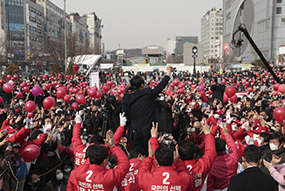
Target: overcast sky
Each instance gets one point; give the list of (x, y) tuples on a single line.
[(135, 24)]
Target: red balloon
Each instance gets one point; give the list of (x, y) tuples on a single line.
[(98, 95), (250, 89), (276, 86), (243, 81), (60, 93), (275, 93), (225, 98), (230, 91), (22, 85), (28, 84), (281, 88), (30, 115), (95, 88), (176, 82), (181, 91), (59, 75), (19, 95), (279, 114), (53, 100), (60, 148), (210, 91), (67, 77), (1, 81), (247, 83), (172, 85), (75, 91), (8, 88), (47, 103), (193, 86), (30, 106), (234, 99), (9, 76), (75, 68), (81, 99), (92, 93), (1, 99), (106, 88), (30, 152), (69, 151), (67, 98), (15, 77), (119, 91), (74, 105), (26, 89), (238, 84), (81, 92)]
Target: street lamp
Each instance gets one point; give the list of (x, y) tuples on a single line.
[(194, 51)]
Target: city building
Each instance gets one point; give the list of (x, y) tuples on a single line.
[(34, 34), (153, 54), (265, 21), (15, 29), (174, 45), (79, 30), (211, 31), (94, 28), (188, 55)]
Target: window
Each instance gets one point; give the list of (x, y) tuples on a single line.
[(279, 1), (278, 10), (283, 21)]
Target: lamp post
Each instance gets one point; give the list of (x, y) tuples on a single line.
[(194, 51), (65, 33)]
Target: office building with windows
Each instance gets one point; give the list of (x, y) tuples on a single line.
[(265, 21), (211, 31), (15, 28)]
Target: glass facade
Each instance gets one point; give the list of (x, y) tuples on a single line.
[(15, 28)]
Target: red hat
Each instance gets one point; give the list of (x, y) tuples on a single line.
[(236, 121), (219, 111)]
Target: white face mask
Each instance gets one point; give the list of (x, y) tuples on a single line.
[(161, 98), (238, 106), (21, 103), (273, 147), (193, 103), (259, 142), (234, 127), (200, 103), (48, 126), (67, 170), (59, 176)]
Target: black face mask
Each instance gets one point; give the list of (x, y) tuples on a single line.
[(37, 184), (197, 131)]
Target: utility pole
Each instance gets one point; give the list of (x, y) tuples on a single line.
[(65, 34), (9, 37)]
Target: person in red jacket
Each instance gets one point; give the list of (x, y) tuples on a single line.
[(79, 148), (200, 168), (164, 177), (225, 165), (95, 176), (129, 183)]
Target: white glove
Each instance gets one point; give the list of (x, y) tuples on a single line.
[(123, 119), (228, 118), (78, 118), (217, 116), (29, 123)]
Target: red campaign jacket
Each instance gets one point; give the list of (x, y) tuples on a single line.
[(130, 183), (163, 178), (20, 136), (224, 167), (236, 135), (79, 148), (200, 168), (5, 124), (95, 177)]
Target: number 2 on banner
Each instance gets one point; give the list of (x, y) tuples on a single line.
[(167, 175), (89, 175)]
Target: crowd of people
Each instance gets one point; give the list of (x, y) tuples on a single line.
[(159, 131)]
